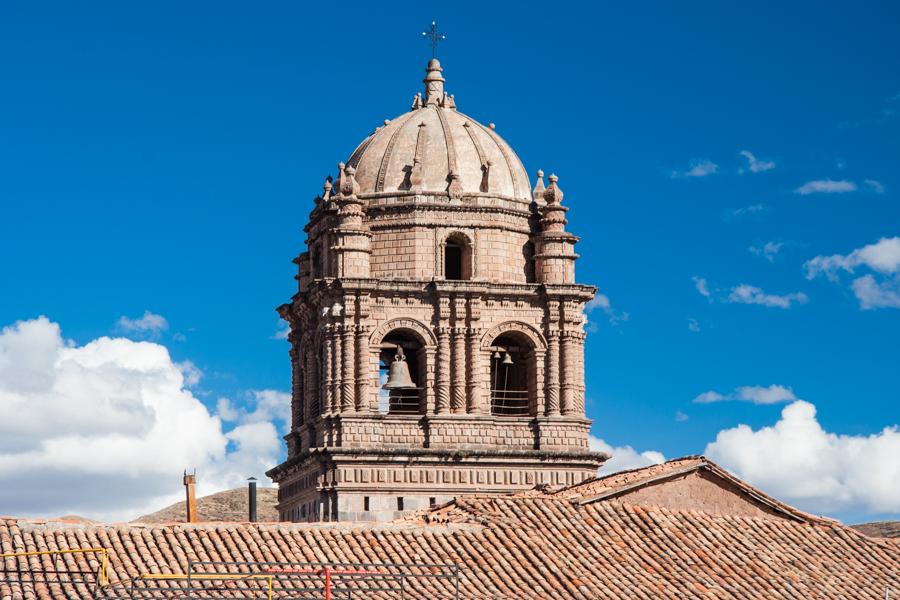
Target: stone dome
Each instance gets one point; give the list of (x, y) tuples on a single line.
[(435, 149)]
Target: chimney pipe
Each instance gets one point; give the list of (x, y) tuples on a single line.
[(251, 492), (190, 482)]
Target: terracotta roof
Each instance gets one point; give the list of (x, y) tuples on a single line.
[(539, 546), (616, 484)]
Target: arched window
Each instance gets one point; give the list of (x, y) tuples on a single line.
[(457, 258), (400, 374), (511, 374)]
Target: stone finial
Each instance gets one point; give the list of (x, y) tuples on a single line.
[(434, 82), (539, 187), (417, 101), (327, 187), (349, 185), (553, 194), (455, 187), (451, 102)]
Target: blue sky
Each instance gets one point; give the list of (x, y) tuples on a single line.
[(163, 157)]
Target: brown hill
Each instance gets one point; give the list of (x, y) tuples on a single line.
[(230, 505), (880, 529)]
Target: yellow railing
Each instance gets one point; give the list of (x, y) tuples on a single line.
[(103, 578)]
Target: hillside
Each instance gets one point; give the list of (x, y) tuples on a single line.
[(230, 505), (883, 529)]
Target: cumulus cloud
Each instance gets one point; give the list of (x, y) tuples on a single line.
[(756, 394), (748, 294), (796, 460), (697, 168), (769, 250), (113, 423), (826, 186), (874, 185), (754, 164), (701, 286), (149, 324), (881, 257), (624, 457), (601, 302)]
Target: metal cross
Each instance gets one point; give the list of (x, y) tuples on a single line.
[(435, 37)]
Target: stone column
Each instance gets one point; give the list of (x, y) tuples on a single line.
[(540, 400), (313, 395), (476, 397), (552, 400), (362, 369), (568, 374), (327, 370), (336, 368), (348, 373), (442, 363), (578, 343), (458, 399), (428, 384), (298, 386)]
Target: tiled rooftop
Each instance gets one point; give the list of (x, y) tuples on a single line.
[(534, 545)]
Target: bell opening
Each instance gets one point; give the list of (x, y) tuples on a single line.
[(510, 375), (399, 375)]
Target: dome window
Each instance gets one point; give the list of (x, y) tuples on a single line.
[(457, 258)]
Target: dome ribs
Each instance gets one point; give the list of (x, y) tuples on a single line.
[(485, 163), (454, 187), (388, 151), (502, 147)]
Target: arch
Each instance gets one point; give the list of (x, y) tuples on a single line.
[(456, 256), (515, 327), (419, 329)]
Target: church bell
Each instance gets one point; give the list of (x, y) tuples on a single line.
[(507, 359), (398, 376)]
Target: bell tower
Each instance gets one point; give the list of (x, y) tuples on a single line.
[(437, 342)]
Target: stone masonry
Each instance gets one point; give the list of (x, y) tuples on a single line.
[(431, 244)]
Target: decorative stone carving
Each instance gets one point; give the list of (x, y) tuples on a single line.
[(375, 270)]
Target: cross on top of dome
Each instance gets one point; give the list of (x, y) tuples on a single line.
[(434, 37)]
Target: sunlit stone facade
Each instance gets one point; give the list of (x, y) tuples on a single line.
[(431, 244)]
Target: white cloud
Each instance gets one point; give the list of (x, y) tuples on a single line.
[(796, 460), (680, 416), (281, 333), (874, 185), (113, 423), (756, 394), (882, 257), (754, 164), (748, 294), (709, 397), (826, 186), (148, 324), (601, 301), (769, 250), (624, 457), (701, 286), (697, 168), (745, 211), (693, 325), (874, 294), (192, 375)]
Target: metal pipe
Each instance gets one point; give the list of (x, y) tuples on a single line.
[(251, 492)]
